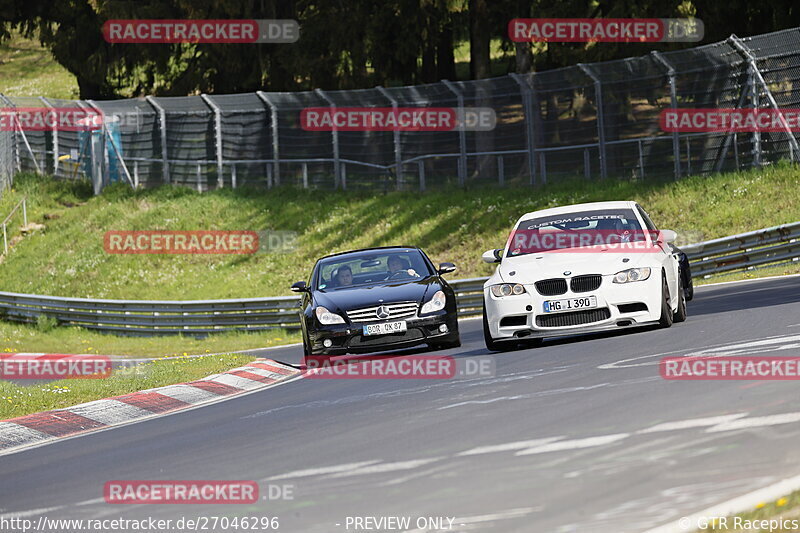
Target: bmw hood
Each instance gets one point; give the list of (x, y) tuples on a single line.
[(527, 269), (346, 299)]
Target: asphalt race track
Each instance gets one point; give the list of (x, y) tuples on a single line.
[(579, 435)]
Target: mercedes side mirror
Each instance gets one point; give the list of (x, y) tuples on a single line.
[(300, 286), (492, 256), (446, 268)]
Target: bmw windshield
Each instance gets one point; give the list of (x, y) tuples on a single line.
[(574, 230)]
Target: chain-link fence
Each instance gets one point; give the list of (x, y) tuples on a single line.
[(7, 155), (594, 121)]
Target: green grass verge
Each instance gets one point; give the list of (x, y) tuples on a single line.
[(783, 511), (18, 400), (28, 69), (15, 337), (66, 257)]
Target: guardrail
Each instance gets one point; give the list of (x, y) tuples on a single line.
[(751, 249), (201, 317)]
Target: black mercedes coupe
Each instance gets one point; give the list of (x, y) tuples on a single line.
[(374, 300)]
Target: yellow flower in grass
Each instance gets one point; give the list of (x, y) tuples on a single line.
[(759, 505), (781, 502)]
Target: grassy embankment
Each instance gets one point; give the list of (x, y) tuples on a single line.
[(66, 256)]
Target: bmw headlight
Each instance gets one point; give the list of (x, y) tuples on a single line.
[(326, 317), (434, 304), (632, 274), (507, 289)]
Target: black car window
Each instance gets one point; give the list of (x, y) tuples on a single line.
[(371, 267)]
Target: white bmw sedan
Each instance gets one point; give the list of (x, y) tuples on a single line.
[(579, 269)]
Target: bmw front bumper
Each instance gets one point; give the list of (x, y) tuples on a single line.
[(618, 305)]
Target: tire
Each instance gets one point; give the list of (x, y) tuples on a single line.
[(680, 313), (689, 288), (665, 320), (311, 360), (487, 336)]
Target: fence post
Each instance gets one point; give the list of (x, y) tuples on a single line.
[(275, 142), (586, 171), (55, 138), (162, 119), (462, 139), (305, 175), (673, 96), (421, 167), (755, 74), (601, 130), (398, 159), (14, 146), (543, 166), (641, 161), (501, 178), (688, 157), (334, 139), (217, 137), (343, 176), (527, 109)]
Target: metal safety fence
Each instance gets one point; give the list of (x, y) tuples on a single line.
[(593, 121), (201, 317)]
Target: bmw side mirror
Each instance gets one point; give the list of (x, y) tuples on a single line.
[(667, 235), (300, 286), (446, 268), (492, 256)]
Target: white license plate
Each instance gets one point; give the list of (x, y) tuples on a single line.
[(384, 328), (570, 304)]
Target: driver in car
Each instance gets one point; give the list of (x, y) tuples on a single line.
[(344, 276), (395, 264)]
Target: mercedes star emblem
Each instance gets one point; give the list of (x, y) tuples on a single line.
[(382, 312)]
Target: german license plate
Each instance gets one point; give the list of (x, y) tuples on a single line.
[(570, 304), (384, 328)]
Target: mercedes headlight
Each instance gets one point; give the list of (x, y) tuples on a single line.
[(326, 317), (632, 274), (434, 304), (507, 289)]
